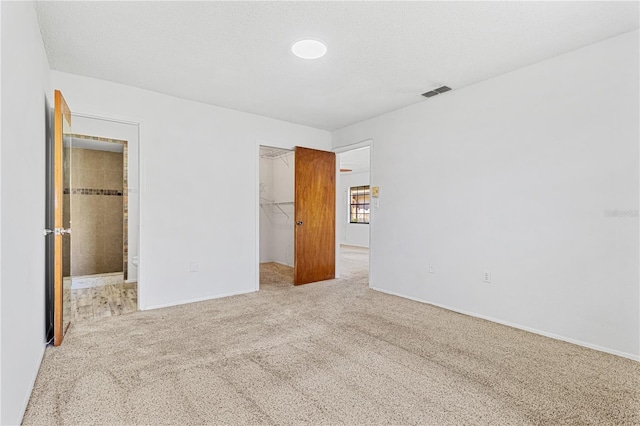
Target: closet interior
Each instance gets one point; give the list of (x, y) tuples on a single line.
[(276, 217)]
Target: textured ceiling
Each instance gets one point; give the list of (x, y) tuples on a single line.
[(381, 55)]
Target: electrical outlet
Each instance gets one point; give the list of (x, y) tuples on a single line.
[(432, 269), (486, 276), (194, 266)]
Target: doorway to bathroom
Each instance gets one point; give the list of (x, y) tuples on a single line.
[(96, 264)]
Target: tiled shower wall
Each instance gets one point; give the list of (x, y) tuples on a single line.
[(96, 193)]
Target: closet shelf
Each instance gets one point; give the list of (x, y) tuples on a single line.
[(277, 204), (266, 202), (270, 152), (273, 153)]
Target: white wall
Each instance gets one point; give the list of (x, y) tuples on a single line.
[(282, 227), (92, 126), (276, 222), (25, 82), (0, 222), (514, 175), (198, 189), (354, 234)]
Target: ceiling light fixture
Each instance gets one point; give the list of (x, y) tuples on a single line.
[(309, 48)]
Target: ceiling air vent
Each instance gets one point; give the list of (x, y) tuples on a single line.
[(430, 94), (435, 92)]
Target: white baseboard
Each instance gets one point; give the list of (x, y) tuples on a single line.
[(33, 383), (200, 299), (279, 263), (518, 326)]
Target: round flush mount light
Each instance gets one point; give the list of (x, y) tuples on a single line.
[(309, 48)]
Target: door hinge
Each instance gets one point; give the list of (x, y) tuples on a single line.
[(56, 231)]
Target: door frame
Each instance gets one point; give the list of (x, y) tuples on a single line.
[(367, 143), (139, 123)]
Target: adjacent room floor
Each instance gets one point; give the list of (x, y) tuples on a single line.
[(325, 353), (104, 301), (354, 261)]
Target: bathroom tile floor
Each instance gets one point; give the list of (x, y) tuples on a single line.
[(104, 301)]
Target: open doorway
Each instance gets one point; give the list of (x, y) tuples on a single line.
[(96, 263), (276, 218), (354, 211), (103, 191)]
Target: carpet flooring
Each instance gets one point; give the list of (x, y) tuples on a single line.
[(274, 276), (333, 352)]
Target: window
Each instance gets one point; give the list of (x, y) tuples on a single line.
[(359, 203)]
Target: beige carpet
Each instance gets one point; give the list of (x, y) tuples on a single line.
[(274, 276), (334, 352)]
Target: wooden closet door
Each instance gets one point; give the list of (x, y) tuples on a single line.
[(315, 216)]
